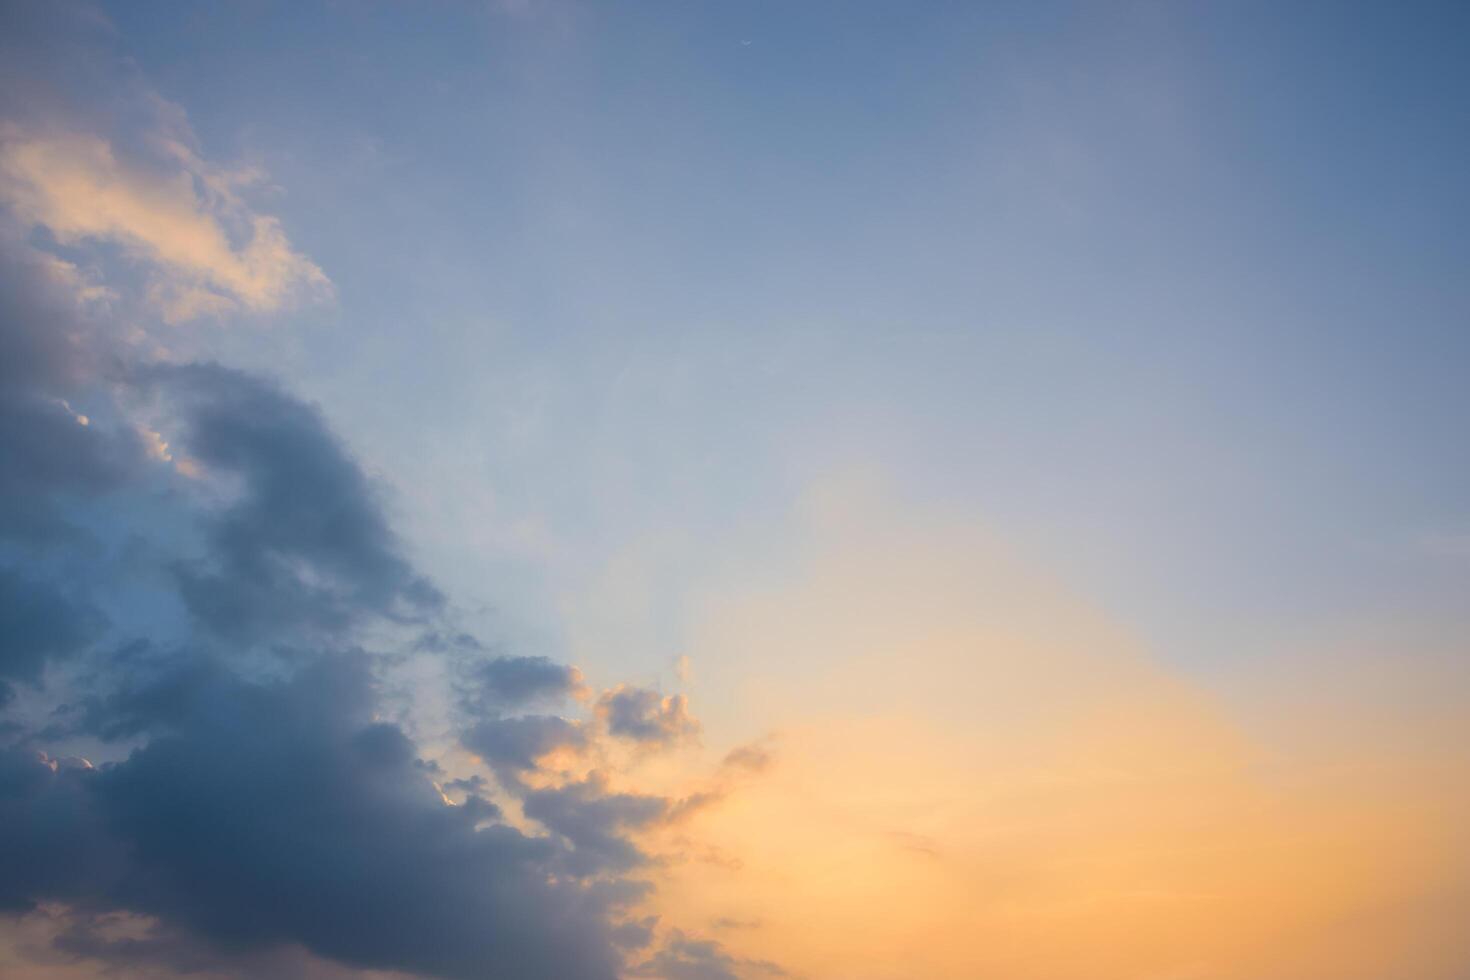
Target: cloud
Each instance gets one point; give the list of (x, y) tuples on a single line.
[(747, 758), (683, 957), (132, 945), (104, 177), (514, 682), (42, 339), (148, 691), (304, 545), (635, 934), (596, 821), (266, 817), (645, 716), (265, 806), (207, 251), (725, 922), (201, 592), (39, 622), (280, 813), (52, 460), (512, 746), (46, 455)]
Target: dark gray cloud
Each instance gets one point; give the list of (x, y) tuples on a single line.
[(641, 715), (596, 821), (280, 813), (48, 457), (512, 746), (635, 934), (148, 946), (305, 546), (267, 821), (266, 808), (514, 682), (38, 621), (260, 815), (147, 691), (685, 958), (44, 343), (49, 461)]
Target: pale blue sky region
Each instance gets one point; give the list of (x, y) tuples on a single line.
[(1171, 294)]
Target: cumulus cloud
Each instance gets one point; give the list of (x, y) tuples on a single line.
[(512, 746), (253, 809), (281, 813), (304, 544), (597, 821), (264, 804), (644, 716), (200, 591), (514, 682)]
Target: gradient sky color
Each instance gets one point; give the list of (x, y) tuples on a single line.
[(833, 489)]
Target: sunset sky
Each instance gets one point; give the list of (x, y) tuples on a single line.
[(730, 490)]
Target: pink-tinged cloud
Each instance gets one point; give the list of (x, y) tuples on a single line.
[(207, 252)]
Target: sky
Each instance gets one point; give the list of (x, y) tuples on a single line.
[(690, 490)]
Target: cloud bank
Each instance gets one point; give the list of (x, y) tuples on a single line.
[(205, 768)]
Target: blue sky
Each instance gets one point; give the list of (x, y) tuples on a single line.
[(1203, 264)]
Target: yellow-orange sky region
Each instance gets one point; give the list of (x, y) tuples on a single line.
[(973, 776)]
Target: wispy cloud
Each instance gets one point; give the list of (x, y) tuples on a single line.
[(185, 220)]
